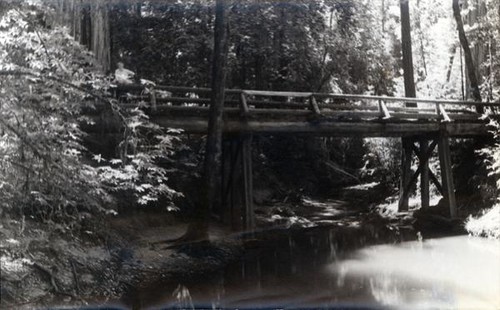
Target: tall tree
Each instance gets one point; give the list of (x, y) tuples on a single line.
[(89, 24), (407, 51), (469, 62), (410, 91), (198, 229)]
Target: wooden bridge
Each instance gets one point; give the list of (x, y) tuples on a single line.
[(428, 124)]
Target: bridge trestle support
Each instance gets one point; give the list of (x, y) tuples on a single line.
[(237, 182), (423, 148)]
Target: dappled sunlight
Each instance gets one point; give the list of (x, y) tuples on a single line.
[(390, 207), (487, 224)]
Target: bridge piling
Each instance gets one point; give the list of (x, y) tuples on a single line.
[(406, 174), (446, 172), (237, 182), (423, 152), (424, 176)]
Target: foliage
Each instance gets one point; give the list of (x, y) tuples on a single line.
[(381, 161), (486, 225), (45, 80), (300, 45)]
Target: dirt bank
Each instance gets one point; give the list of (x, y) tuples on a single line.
[(43, 266)]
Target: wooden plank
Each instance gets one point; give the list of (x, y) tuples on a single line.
[(287, 114), (446, 173), (264, 104), (349, 97), (326, 128), (277, 93), (403, 99)]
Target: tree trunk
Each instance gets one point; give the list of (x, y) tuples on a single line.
[(198, 229), (469, 62), (407, 51), (410, 91), (100, 36), (418, 25)]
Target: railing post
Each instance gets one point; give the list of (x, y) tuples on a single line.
[(152, 95), (424, 175), (404, 188), (446, 172), (243, 104), (314, 105), (442, 112), (384, 111)]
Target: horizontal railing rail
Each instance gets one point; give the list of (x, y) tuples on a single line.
[(349, 97), (257, 102)]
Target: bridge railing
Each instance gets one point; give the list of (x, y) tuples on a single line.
[(257, 102)]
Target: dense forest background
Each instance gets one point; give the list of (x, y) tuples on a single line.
[(324, 46)]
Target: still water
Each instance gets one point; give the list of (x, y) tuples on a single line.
[(324, 268)]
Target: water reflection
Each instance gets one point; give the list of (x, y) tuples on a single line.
[(323, 268), (451, 273)]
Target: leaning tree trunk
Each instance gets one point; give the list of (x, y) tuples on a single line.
[(469, 62), (198, 229)]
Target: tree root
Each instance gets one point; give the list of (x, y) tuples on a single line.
[(75, 276), (53, 282)]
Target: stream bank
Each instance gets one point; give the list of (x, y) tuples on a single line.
[(123, 262)]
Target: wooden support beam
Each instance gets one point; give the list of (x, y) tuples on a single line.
[(406, 157), (243, 105), (442, 113), (232, 202), (436, 182), (384, 112), (446, 172), (153, 100), (344, 97), (248, 183), (277, 93), (420, 155), (409, 179), (237, 183), (412, 182), (424, 176), (313, 105), (334, 127)]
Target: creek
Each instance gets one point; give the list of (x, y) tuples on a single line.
[(353, 265)]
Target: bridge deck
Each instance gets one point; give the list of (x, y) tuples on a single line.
[(270, 112)]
